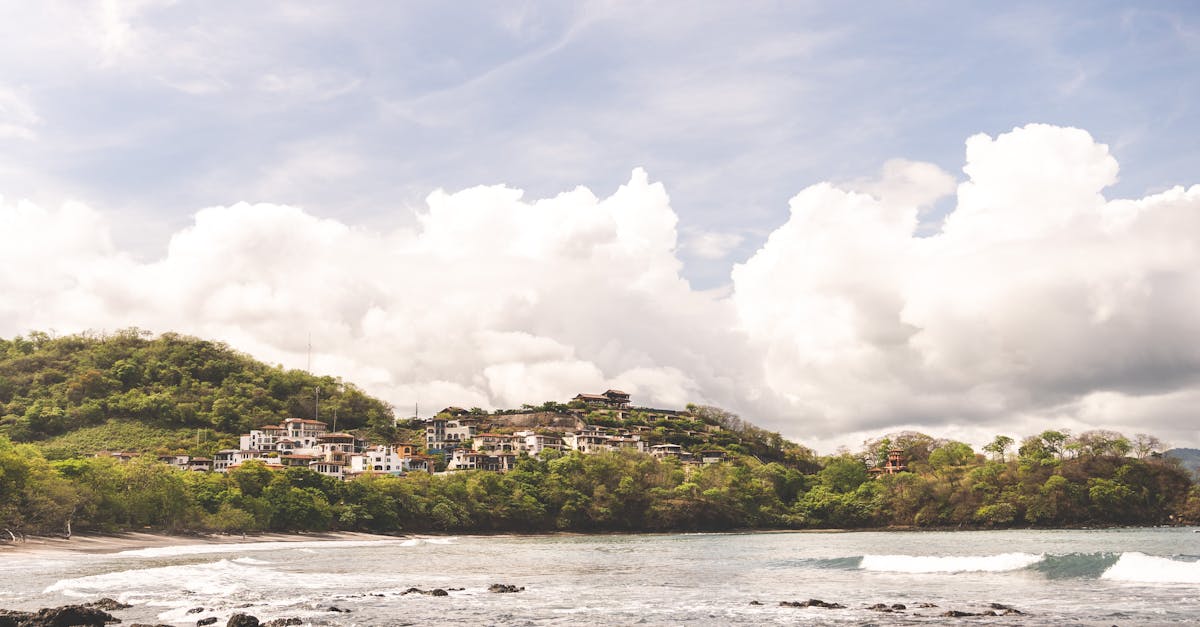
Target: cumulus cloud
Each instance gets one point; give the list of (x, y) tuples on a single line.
[(1040, 303), (1039, 300)]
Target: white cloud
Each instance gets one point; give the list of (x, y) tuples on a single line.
[(712, 245), (1039, 304), (1038, 295), (17, 115)]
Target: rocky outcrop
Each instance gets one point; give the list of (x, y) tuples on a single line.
[(503, 588), (65, 616), (242, 620), (206, 621), (108, 605), (812, 603), (436, 592), (283, 622)]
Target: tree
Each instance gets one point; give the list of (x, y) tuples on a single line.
[(999, 446), (951, 454), (1145, 445)]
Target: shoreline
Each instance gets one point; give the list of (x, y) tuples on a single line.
[(100, 544)]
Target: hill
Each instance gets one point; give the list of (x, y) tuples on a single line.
[(131, 389), (1189, 457)]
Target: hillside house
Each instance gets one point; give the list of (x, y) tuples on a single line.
[(895, 464), (534, 443), (663, 451), (610, 399), (443, 434)]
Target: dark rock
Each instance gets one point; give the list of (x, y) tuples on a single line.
[(108, 605), (899, 607), (755, 603), (195, 610), (957, 614), (989, 613), (880, 607), (206, 621), (242, 620), (1007, 609), (436, 592), (502, 588), (334, 608), (283, 622), (927, 605), (65, 616), (812, 603)]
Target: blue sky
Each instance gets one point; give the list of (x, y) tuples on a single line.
[(336, 121), (154, 110)]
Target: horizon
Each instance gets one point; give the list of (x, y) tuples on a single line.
[(835, 223)]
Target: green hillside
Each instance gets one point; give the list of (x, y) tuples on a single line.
[(131, 390), (1188, 457)]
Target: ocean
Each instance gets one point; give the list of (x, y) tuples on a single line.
[(1069, 577)]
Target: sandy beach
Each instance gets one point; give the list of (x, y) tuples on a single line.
[(113, 543)]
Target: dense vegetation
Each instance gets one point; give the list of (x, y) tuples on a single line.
[(173, 388), (1045, 484), (62, 398)]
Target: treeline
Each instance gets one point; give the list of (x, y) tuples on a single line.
[(950, 486), (53, 385)]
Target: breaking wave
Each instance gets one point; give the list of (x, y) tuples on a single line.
[(220, 578), (1128, 567), (242, 547), (1142, 568), (949, 564)]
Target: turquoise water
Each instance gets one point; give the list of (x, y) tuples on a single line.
[(1078, 577)]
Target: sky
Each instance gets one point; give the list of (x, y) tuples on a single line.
[(837, 220)]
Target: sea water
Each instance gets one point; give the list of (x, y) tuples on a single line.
[(1077, 577)]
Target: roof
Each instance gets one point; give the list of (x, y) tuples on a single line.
[(273, 427), (592, 397), (617, 392), (305, 421)]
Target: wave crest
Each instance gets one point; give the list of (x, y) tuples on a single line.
[(949, 563), (1142, 568)]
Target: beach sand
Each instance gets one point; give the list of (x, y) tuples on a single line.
[(113, 543)]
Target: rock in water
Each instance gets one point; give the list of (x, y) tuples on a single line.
[(242, 620), (65, 616), (283, 622), (108, 605), (812, 603), (500, 587), (206, 621)]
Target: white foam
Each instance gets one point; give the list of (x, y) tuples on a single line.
[(1142, 568), (250, 560), (221, 578), (242, 547), (949, 563)]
